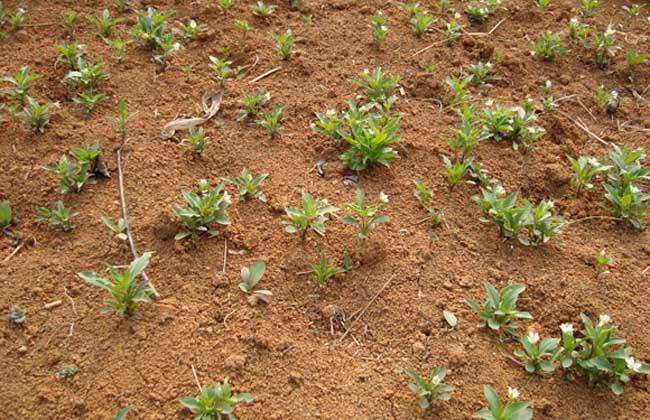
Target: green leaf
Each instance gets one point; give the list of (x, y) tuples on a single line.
[(138, 265), (121, 415), (257, 270), (450, 318), (617, 388), (494, 403), (93, 279)]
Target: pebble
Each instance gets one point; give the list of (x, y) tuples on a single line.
[(22, 350)]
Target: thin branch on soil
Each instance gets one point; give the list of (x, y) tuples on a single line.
[(597, 217), (196, 378), (125, 216), (647, 269), (74, 308), (225, 318), (14, 252), (491, 30), (38, 25), (583, 128), (264, 75), (428, 47), (225, 255), (363, 311), (586, 109), (52, 304)]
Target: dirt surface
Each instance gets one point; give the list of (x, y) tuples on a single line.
[(286, 353)]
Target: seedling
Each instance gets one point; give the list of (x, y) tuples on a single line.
[(604, 261), (243, 26), (500, 311), (412, 8), (271, 120), (632, 11), (70, 53), (248, 185), (122, 119), (249, 279), (151, 27), (196, 140), (191, 31), (89, 100), (121, 415), (584, 170), (125, 289), (329, 124), (119, 47), (378, 85), (421, 22), (457, 171), (543, 4), (589, 7), (605, 46), (252, 103), (579, 31), (458, 87), (629, 203), (118, 228), (225, 5), (513, 124), (323, 272), (16, 315), (6, 217), (58, 215), (22, 82), (633, 60), (422, 192), (365, 216), (429, 389), (469, 134), (203, 209), (166, 46), (263, 10), (105, 23), (512, 409), (69, 22), (216, 402), (284, 43), (538, 356), (370, 143), (310, 216), (17, 20), (86, 76), (548, 46), (477, 13), (309, 20), (482, 73), (67, 371), (604, 97), (453, 30), (379, 28), (75, 175), (123, 6), (221, 70), (35, 115)]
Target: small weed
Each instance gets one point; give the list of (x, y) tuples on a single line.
[(512, 409), (284, 43), (105, 23), (271, 120), (310, 216), (195, 139), (429, 389), (248, 186), (16, 315), (323, 272), (379, 28), (500, 311), (204, 208), (365, 216), (215, 402), (118, 228), (58, 215)]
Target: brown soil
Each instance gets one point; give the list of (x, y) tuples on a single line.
[(285, 353)]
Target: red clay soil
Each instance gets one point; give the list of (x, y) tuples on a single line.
[(288, 353)]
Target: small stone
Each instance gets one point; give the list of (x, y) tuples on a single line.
[(418, 347), (328, 311), (235, 362), (22, 350), (295, 378)]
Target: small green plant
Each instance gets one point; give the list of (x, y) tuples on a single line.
[(589, 7), (585, 168), (457, 171), (243, 26), (89, 100), (512, 409), (604, 261), (105, 23), (477, 13), (121, 121), (249, 279), (225, 5), (421, 23), (119, 47), (118, 228), (323, 272), (469, 134), (75, 175), (284, 43), (429, 389), (412, 8), (633, 60), (604, 98), (627, 201), (35, 115), (123, 6), (22, 84), (216, 402), (512, 124), (379, 28), (604, 45), (151, 27), (69, 22), (458, 88), (538, 356), (70, 53), (67, 371), (58, 215), (16, 20), (482, 73), (87, 76), (329, 124), (125, 289), (191, 31), (166, 46), (16, 315), (579, 31), (204, 208), (310, 216), (370, 143), (252, 103), (195, 139), (453, 30), (271, 120), (500, 311), (263, 10), (248, 186), (423, 193), (543, 4), (548, 46), (378, 85), (632, 11), (6, 216), (365, 216), (221, 70)]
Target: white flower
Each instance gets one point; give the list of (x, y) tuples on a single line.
[(633, 364), (533, 337), (566, 328), (610, 31), (330, 112), (604, 320), (436, 380), (574, 20), (513, 393), (456, 15)]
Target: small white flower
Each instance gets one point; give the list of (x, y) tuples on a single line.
[(436, 380), (330, 112), (604, 320), (574, 20), (513, 393), (533, 337), (566, 328), (610, 31), (456, 15), (633, 364)]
